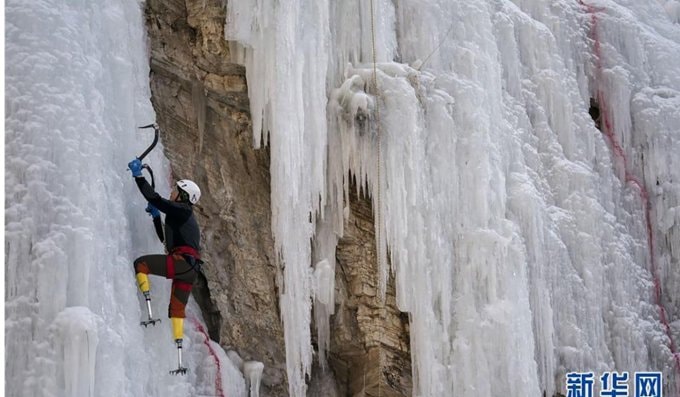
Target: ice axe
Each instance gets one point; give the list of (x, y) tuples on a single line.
[(155, 139), (156, 221)]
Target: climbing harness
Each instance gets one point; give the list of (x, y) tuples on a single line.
[(190, 255)]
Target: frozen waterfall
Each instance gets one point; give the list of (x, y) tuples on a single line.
[(525, 242), (76, 89)]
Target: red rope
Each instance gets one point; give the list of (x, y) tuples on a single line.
[(620, 154), (211, 351)]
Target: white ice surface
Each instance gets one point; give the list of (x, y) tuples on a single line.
[(76, 89), (517, 234)]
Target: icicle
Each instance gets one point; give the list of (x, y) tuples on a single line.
[(285, 53), (324, 304), (253, 373)]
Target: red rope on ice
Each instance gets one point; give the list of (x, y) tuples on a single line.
[(211, 351), (608, 131)]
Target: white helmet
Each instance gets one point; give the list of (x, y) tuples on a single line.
[(191, 189)]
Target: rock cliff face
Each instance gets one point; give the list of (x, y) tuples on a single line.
[(369, 350), (201, 102)]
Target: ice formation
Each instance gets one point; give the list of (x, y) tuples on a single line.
[(509, 216), (76, 339), (252, 370), (76, 90), (324, 304)]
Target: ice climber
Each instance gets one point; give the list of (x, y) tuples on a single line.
[(182, 244)]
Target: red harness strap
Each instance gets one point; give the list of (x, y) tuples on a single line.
[(186, 250), (179, 251)]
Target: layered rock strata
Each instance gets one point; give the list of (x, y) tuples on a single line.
[(201, 102)]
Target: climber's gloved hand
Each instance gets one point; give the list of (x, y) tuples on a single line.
[(153, 211), (136, 167)]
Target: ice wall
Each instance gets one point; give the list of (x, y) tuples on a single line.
[(525, 242), (76, 89)]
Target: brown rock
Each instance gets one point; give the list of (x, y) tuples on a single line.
[(201, 104), (202, 107), (370, 346)]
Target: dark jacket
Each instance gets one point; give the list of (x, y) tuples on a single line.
[(181, 228)]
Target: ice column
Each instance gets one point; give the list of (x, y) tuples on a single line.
[(284, 47), (324, 305), (253, 373)]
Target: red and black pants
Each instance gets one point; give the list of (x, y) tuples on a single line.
[(175, 267)]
